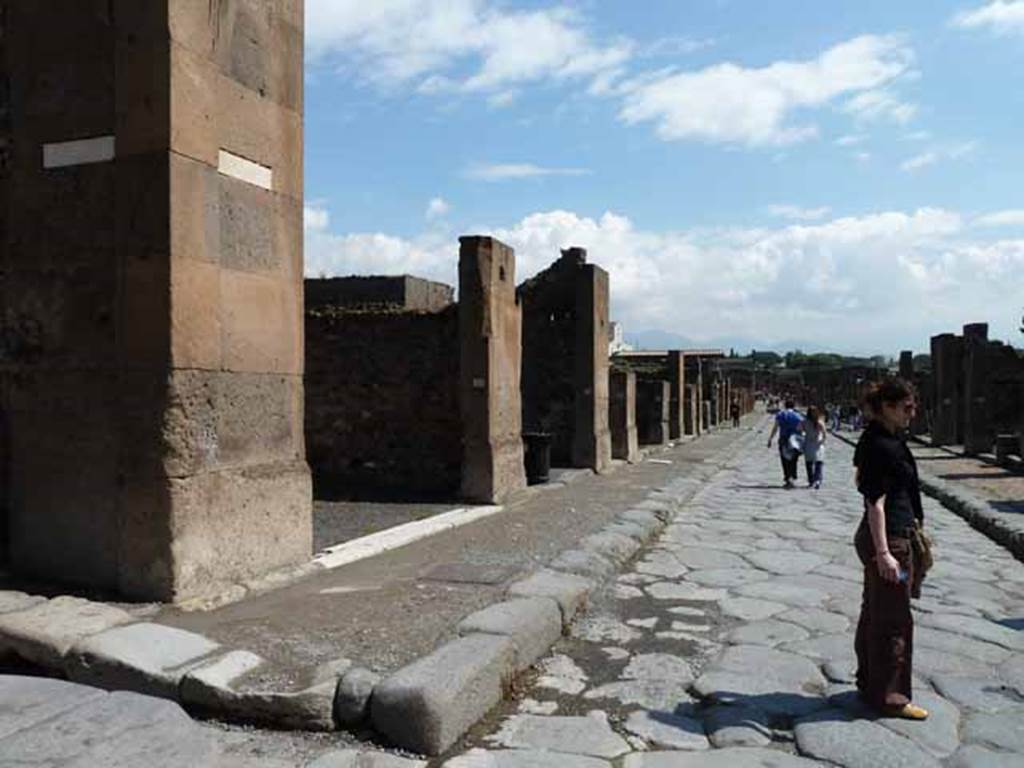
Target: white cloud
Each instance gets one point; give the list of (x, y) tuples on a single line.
[(727, 103), (315, 218), (875, 282), (437, 208), (796, 213), (917, 162), (878, 105), (505, 171), (1001, 16), (675, 46), (935, 154), (850, 140), (392, 42), (1009, 218)]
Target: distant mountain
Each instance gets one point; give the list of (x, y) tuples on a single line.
[(658, 339)]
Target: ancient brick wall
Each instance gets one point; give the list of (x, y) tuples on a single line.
[(402, 292), (382, 408), (565, 360)]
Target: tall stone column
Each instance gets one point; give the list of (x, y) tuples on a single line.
[(591, 443), (622, 416), (978, 434), (676, 364), (652, 409), (152, 308), (490, 360), (947, 368), (691, 422), (907, 365)]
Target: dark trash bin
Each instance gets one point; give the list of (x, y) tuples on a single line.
[(537, 457)]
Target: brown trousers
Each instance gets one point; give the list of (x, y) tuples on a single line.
[(885, 631)]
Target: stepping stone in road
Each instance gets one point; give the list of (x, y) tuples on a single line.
[(589, 735), (667, 730), (658, 666), (973, 756)]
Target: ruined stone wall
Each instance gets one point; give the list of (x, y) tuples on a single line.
[(622, 416), (379, 293), (151, 310), (652, 411), (382, 408), (947, 375), (1005, 390), (565, 360)]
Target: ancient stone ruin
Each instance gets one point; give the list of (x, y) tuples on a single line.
[(150, 341)]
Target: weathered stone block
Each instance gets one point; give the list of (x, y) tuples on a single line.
[(44, 633), (429, 704), (568, 590), (622, 416), (262, 324), (145, 658), (533, 625)]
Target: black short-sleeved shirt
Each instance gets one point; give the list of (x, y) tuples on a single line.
[(887, 468)]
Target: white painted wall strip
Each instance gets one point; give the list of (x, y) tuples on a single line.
[(400, 536), (245, 170), (80, 152)]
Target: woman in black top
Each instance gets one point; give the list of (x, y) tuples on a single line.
[(892, 503)]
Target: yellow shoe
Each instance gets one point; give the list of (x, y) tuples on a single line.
[(908, 712)]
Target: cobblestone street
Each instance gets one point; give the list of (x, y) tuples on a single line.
[(729, 642)]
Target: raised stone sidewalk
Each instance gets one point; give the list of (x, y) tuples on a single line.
[(424, 705)]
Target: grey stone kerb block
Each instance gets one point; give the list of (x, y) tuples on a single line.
[(427, 705), (533, 624)]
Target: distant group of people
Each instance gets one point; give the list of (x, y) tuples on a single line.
[(889, 541)]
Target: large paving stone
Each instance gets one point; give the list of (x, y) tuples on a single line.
[(667, 730), (658, 666), (980, 694), (724, 577), (824, 648), (145, 658), (427, 705), (660, 695), (719, 758), (816, 620), (44, 633), (569, 590), (777, 682), (750, 609), (1012, 671), (768, 632), (931, 661), (699, 557), (973, 756), (835, 736), (939, 735), (589, 735), (661, 563), (983, 629), (117, 730), (1000, 731), (583, 563), (12, 600), (224, 687), (961, 645), (666, 590), (522, 758), (25, 701), (615, 546), (533, 624), (737, 726), (786, 563), (791, 594), (354, 758)]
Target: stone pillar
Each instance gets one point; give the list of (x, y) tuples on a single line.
[(622, 416), (907, 365), (652, 410), (705, 416), (947, 367), (490, 348), (151, 189), (591, 441), (978, 434), (691, 423), (676, 364)]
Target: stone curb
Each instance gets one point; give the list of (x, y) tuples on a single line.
[(425, 706), (978, 514)]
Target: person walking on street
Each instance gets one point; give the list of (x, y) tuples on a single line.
[(814, 446), (787, 424), (734, 412), (885, 543)]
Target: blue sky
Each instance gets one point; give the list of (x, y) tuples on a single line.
[(847, 175)]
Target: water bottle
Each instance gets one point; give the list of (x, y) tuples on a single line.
[(902, 576)]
